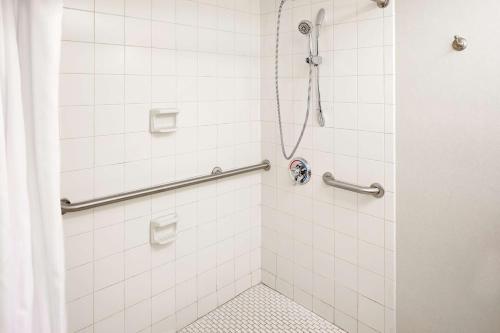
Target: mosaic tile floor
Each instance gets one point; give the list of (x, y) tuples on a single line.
[(261, 309)]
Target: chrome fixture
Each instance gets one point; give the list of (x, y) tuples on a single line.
[(217, 173), (320, 18), (459, 43), (305, 27), (374, 189), (300, 171), (217, 170), (382, 3)]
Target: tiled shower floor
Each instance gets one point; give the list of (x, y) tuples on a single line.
[(261, 309)]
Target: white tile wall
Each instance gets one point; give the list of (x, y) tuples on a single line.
[(119, 60), (331, 250)]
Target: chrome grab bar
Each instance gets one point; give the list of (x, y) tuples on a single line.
[(217, 173), (374, 189)]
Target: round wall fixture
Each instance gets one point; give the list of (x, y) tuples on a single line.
[(459, 43), (300, 171)]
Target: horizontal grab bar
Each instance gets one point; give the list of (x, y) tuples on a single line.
[(217, 173), (374, 189)]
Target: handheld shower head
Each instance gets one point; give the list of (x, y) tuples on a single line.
[(320, 17), (305, 27)]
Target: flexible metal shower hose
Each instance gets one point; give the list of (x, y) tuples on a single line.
[(278, 92)]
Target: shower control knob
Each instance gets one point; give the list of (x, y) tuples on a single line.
[(300, 171)]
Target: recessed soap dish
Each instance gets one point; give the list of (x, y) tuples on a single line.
[(163, 120)]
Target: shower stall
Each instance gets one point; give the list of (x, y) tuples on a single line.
[(230, 166), (181, 124)]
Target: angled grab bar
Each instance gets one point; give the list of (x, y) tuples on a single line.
[(374, 189), (217, 173)]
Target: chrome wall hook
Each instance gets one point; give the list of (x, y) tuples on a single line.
[(459, 43)]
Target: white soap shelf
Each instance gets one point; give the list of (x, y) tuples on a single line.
[(163, 229), (163, 120)]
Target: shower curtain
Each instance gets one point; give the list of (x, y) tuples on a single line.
[(31, 236)]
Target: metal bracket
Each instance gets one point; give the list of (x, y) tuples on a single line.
[(216, 171), (314, 60)]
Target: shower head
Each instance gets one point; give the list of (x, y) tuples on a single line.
[(320, 17), (305, 27)]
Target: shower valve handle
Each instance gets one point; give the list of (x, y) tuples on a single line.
[(314, 60)]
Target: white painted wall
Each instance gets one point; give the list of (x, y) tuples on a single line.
[(448, 167)]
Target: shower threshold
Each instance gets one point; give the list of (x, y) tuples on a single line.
[(261, 309)]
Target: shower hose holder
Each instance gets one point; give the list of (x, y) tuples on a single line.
[(314, 60)]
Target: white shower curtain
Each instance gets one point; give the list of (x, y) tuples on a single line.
[(31, 237)]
